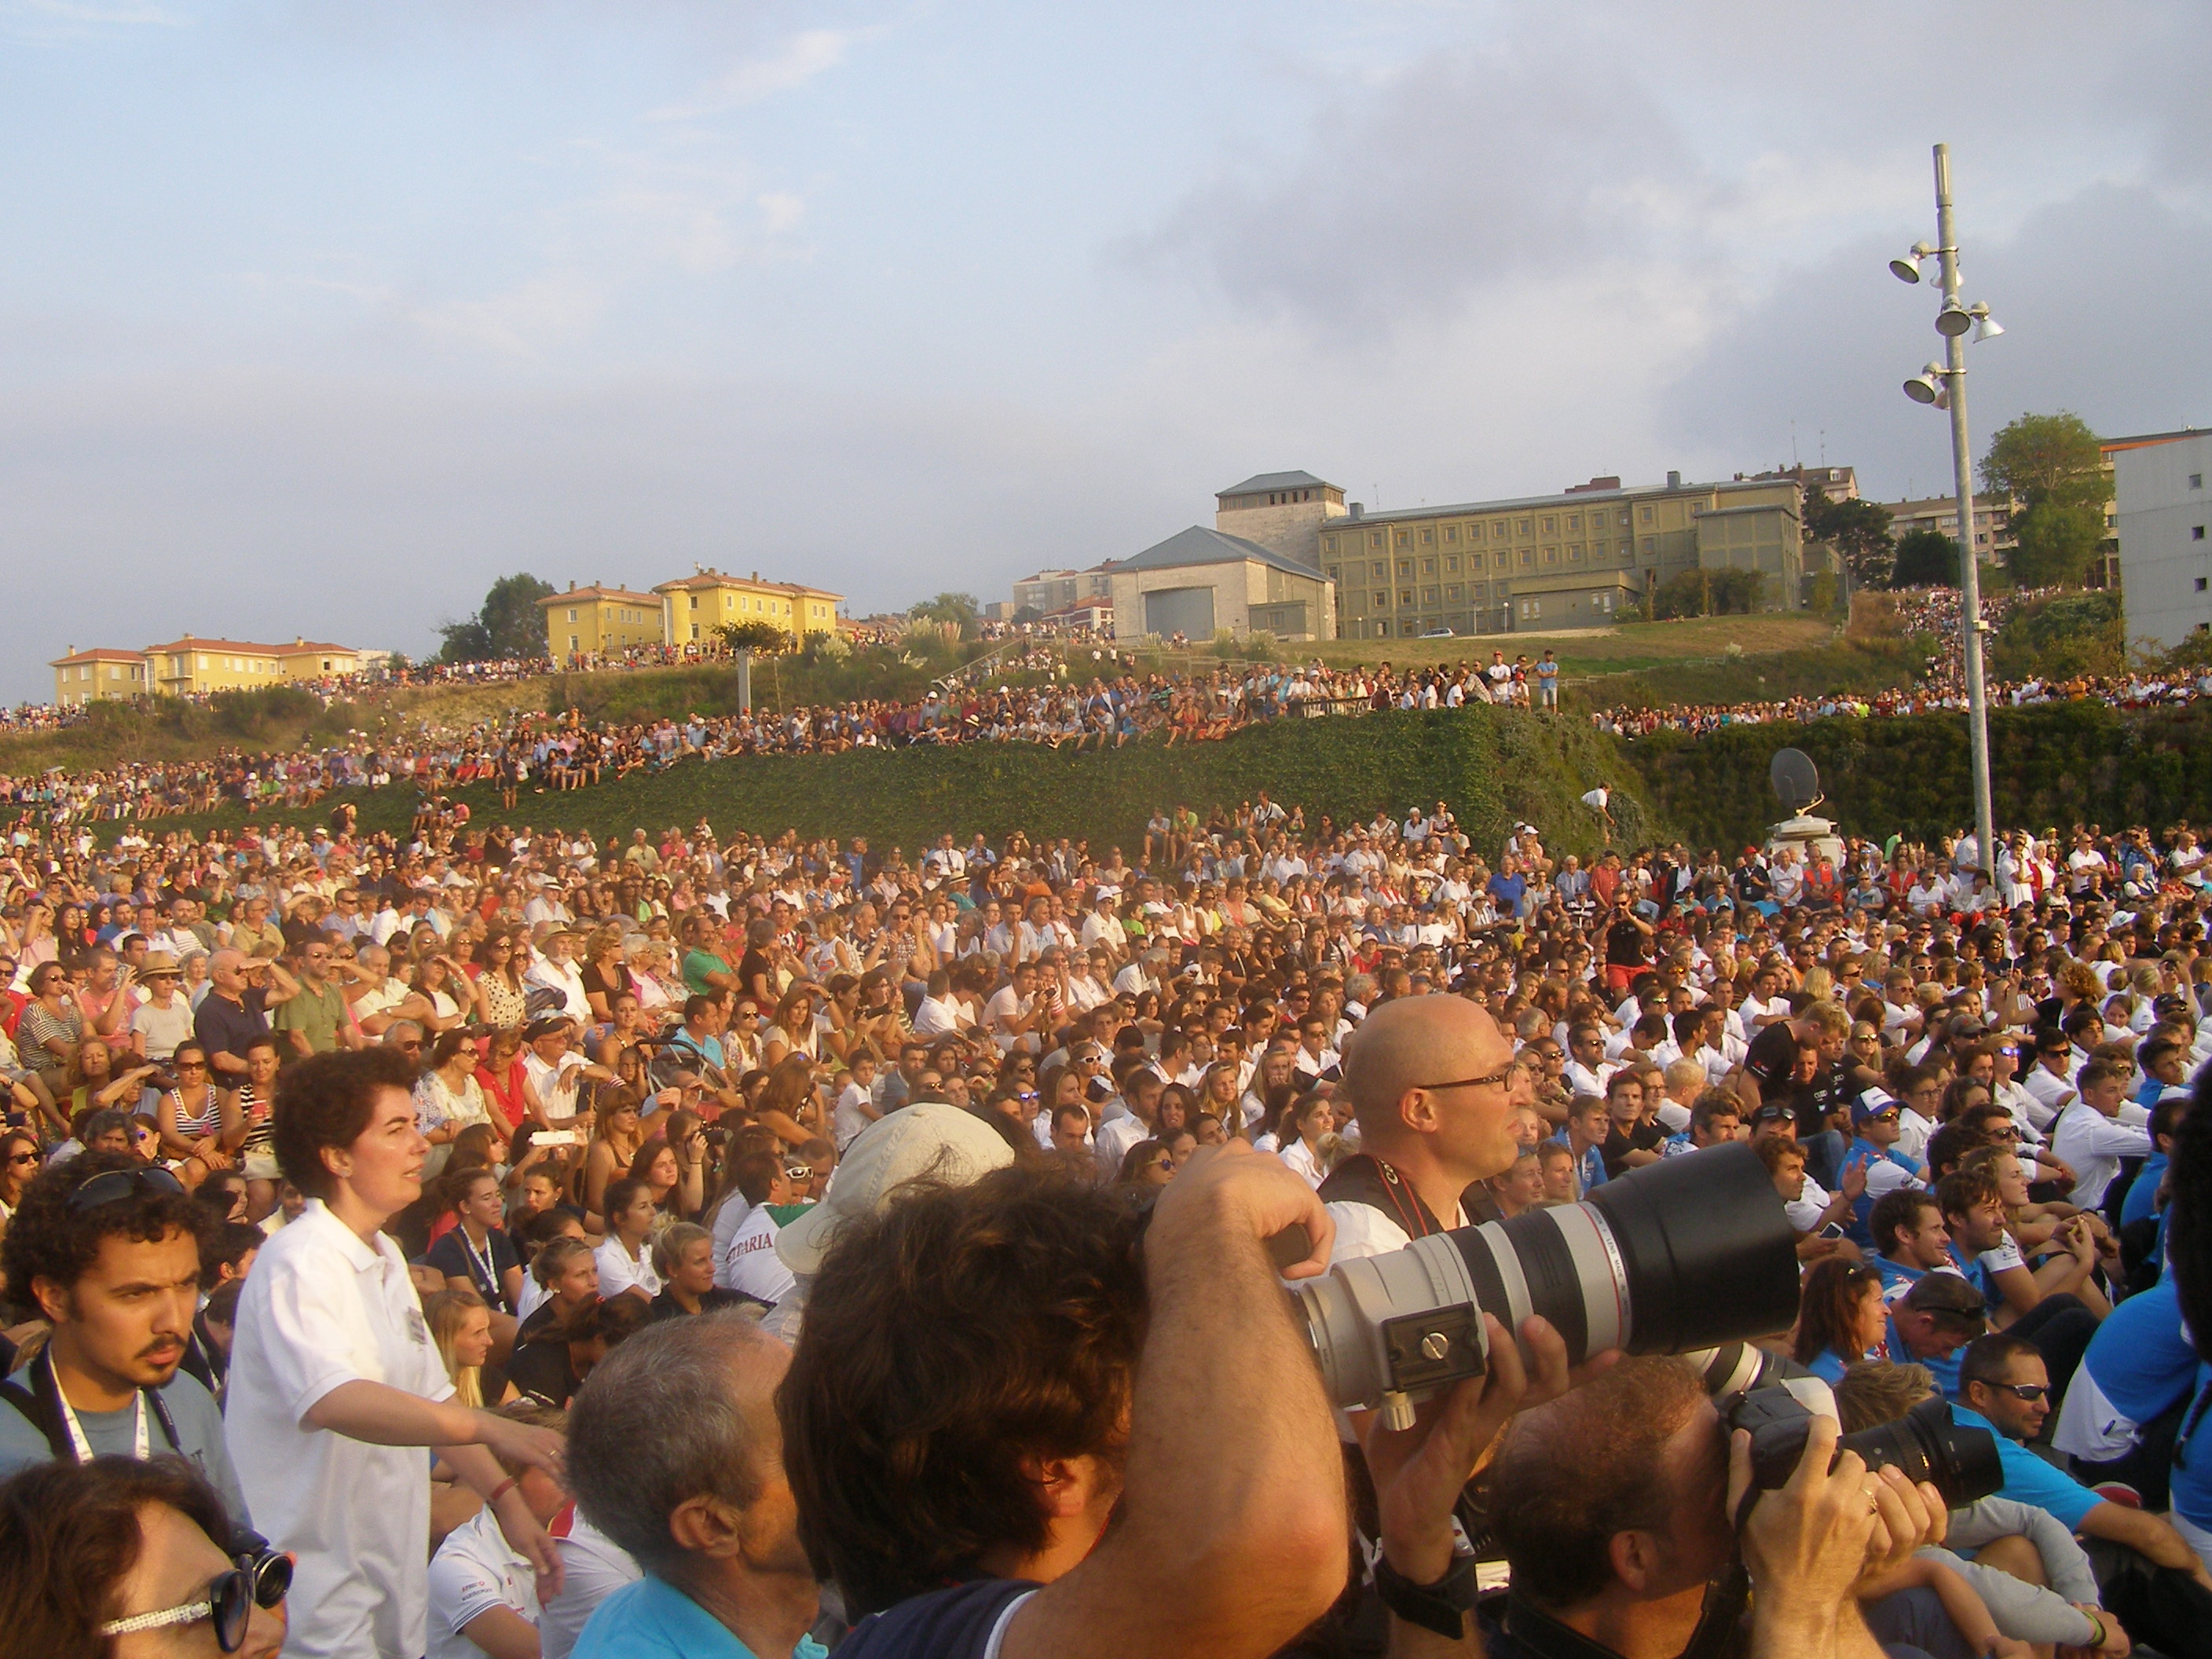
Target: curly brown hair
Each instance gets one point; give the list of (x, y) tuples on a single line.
[(948, 1341)]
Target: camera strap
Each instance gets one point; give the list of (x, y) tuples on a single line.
[(43, 1406), (1366, 1179)]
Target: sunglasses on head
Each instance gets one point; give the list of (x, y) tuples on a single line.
[(119, 1184)]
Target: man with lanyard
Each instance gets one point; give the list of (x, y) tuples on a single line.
[(108, 1249), (1433, 1084), (1875, 1115)]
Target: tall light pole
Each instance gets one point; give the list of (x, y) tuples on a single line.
[(1944, 385)]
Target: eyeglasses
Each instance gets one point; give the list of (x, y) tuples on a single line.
[(2030, 1391), (229, 1601), (22, 1157), (189, 1065), (800, 1172), (1494, 1079), (114, 1187)]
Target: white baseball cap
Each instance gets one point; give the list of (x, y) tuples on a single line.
[(932, 1142)]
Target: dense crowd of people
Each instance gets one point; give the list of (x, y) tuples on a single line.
[(1060, 695), (708, 1243)]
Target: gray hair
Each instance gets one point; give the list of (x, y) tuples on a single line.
[(657, 1423)]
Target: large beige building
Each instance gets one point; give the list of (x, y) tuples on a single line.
[(1571, 560), (1200, 582), (1283, 512)]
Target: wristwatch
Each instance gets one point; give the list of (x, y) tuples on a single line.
[(1441, 1606)]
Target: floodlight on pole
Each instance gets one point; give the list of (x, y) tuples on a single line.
[(1943, 386), (1907, 269)]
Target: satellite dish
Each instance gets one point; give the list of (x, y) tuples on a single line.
[(1796, 780)]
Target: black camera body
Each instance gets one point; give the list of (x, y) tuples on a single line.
[(1959, 1462)]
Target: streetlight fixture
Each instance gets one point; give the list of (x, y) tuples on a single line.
[(1943, 386), (1927, 386)]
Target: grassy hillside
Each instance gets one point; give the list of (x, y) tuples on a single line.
[(2054, 765), (1492, 767)]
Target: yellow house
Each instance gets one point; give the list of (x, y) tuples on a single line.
[(316, 660), (97, 676), (597, 620), (192, 667), (694, 607)]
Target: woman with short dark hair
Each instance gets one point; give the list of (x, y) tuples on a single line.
[(337, 1393)]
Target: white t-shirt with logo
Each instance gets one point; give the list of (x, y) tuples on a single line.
[(755, 1269), (476, 1569)]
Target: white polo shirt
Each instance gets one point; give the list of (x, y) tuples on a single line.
[(320, 1309), (476, 1569)]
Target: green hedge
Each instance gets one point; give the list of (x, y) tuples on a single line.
[(2053, 765), (1493, 767)]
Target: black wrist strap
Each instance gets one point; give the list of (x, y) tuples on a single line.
[(1441, 1606)]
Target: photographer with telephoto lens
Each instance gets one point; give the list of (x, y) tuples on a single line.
[(1622, 1510)]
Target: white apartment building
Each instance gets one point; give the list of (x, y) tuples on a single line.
[(2166, 559)]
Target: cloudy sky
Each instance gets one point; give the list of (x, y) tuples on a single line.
[(315, 318)]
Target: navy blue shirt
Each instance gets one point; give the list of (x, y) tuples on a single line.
[(956, 1623)]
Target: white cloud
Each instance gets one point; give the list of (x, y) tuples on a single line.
[(799, 60)]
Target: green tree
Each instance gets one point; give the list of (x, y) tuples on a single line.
[(1925, 558), (513, 622), (2054, 543), (762, 639), (466, 642), (2051, 466), (510, 624), (960, 609), (1859, 530)]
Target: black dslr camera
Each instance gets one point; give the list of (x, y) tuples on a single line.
[(1960, 1463)]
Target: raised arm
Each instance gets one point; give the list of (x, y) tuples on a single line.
[(1233, 1534)]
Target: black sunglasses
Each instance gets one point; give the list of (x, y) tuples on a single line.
[(119, 1184)]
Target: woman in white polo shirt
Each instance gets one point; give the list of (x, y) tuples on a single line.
[(337, 1391)]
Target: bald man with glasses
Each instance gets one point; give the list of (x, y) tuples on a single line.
[(1437, 1090)]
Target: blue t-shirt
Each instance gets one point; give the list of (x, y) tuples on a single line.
[(2140, 1358), (1897, 1277), (2029, 1479), (1828, 1365), (115, 1434), (1976, 1273), (2142, 1195), (651, 1619), (1944, 1369), (1859, 1155), (2189, 1482)]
